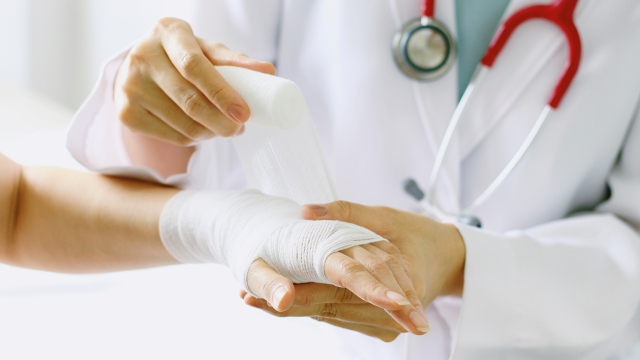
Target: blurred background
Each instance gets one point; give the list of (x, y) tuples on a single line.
[(56, 47)]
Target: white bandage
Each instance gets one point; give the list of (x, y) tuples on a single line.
[(282, 157), (235, 228)]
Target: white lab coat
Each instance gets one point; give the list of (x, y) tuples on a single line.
[(555, 272)]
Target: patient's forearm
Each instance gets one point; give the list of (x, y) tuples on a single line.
[(76, 222)]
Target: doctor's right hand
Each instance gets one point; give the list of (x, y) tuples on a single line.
[(168, 89)]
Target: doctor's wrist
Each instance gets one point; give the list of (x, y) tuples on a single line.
[(455, 251)]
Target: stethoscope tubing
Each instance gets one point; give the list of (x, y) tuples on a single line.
[(560, 13), (430, 199)]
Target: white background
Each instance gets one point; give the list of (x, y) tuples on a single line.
[(56, 47)]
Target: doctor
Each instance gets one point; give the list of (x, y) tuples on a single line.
[(554, 272)]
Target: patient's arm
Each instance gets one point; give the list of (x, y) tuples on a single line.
[(61, 220)]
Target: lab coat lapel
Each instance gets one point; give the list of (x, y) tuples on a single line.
[(497, 95)]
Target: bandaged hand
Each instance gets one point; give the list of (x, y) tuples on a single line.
[(256, 235), (433, 252)]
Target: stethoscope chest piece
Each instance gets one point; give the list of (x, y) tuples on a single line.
[(424, 49)]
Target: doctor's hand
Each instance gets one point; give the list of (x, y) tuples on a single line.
[(168, 89), (372, 274), (433, 252)]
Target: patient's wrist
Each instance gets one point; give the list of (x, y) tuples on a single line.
[(165, 158)]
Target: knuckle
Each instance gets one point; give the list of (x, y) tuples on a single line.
[(136, 57), (344, 208), (217, 92), (390, 249), (128, 115), (266, 286), (343, 295), (194, 130), (351, 268), (377, 266), (193, 103), (411, 294), (166, 23), (188, 63), (329, 311), (390, 259), (304, 299), (132, 85)]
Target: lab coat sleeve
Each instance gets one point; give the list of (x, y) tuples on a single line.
[(561, 289), (95, 137)]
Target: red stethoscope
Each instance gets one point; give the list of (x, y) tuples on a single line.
[(424, 49)]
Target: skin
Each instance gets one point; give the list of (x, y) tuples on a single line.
[(169, 95), (67, 221), (433, 253)]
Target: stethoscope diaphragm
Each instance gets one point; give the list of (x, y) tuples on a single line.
[(424, 49)]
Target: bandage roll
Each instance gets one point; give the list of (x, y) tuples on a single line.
[(274, 102), (280, 150)]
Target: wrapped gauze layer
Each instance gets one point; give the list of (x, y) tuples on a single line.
[(280, 150), (236, 227), (282, 158)]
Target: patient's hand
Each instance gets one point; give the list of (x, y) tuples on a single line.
[(375, 273)]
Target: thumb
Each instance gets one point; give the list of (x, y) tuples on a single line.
[(374, 218), (266, 283)]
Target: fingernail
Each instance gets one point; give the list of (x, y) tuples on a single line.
[(397, 298), (278, 295), (419, 322), (238, 113), (318, 210)]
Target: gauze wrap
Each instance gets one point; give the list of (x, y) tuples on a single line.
[(282, 157)]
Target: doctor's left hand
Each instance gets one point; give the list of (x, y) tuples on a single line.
[(434, 254)]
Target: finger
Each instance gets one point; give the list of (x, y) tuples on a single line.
[(139, 120), (265, 282), (164, 108), (192, 102), (220, 55), (343, 271), (365, 314), (376, 332), (377, 266), (186, 55), (375, 218), (392, 257), (411, 318), (314, 293)]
